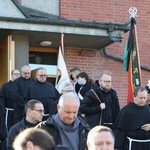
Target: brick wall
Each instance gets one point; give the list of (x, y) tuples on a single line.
[(115, 11)]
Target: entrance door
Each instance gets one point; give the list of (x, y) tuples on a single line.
[(6, 59)]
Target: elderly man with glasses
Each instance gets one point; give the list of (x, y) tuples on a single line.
[(20, 85), (43, 91), (7, 98), (34, 113)]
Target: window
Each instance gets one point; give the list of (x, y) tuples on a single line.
[(46, 58)]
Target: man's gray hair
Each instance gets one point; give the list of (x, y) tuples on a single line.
[(67, 84), (73, 96), (25, 67), (41, 68)]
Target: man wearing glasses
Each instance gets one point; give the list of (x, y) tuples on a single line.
[(20, 85), (100, 105), (132, 125), (7, 98), (34, 113), (43, 91)]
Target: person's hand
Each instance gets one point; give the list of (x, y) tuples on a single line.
[(146, 127), (102, 106)]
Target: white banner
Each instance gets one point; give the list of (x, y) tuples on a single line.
[(62, 73)]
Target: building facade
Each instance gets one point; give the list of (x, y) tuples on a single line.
[(94, 37)]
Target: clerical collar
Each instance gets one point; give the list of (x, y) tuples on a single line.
[(28, 124), (138, 105)]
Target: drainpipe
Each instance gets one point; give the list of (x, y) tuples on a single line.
[(121, 59)]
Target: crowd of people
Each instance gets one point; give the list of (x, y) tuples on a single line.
[(86, 115)]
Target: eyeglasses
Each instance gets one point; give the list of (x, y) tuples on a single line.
[(16, 74), (43, 75), (40, 111), (106, 81), (26, 73)]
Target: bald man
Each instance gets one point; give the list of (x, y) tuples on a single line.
[(20, 85)]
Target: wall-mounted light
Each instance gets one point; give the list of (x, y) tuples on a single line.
[(45, 43)]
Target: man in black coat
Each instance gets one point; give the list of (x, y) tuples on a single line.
[(34, 111), (7, 98), (101, 105), (43, 91), (132, 126), (20, 85)]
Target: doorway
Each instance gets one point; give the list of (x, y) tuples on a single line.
[(7, 58), (46, 58)]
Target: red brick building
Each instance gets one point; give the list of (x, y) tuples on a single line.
[(83, 22), (115, 11)]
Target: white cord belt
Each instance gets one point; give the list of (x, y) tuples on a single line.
[(108, 123), (46, 114), (135, 140), (7, 109)]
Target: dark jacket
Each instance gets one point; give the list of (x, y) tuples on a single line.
[(20, 85), (51, 127), (7, 94), (3, 131), (77, 87), (44, 92), (16, 129), (84, 88), (90, 106), (7, 98)]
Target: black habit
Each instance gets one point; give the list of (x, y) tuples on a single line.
[(7, 98), (3, 131), (44, 92), (20, 86), (90, 106), (128, 124)]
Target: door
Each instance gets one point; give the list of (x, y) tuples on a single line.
[(6, 59)]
